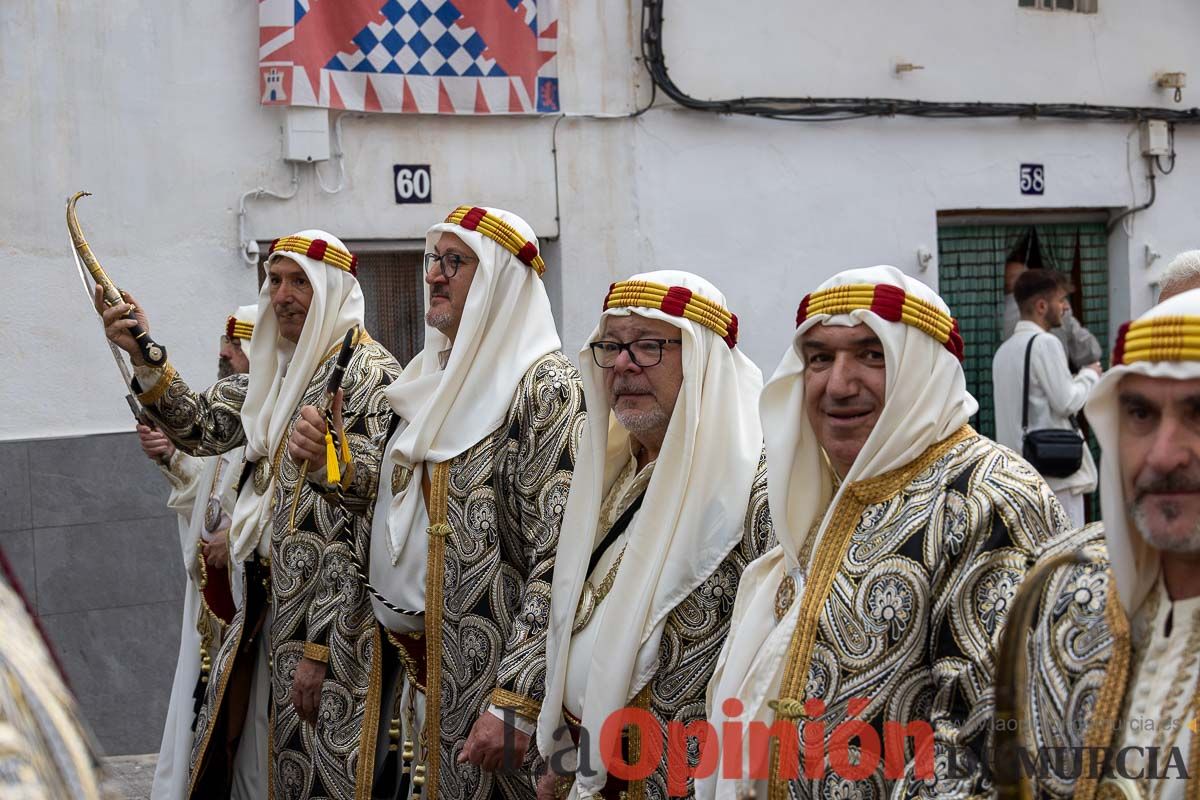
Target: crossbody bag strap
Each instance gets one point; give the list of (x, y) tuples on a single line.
[(1025, 385)]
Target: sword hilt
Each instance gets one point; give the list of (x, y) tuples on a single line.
[(153, 353)]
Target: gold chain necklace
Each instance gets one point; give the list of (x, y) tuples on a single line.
[(593, 595)]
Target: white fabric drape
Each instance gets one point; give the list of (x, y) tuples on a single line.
[(506, 326), (926, 400), (280, 373), (692, 516)]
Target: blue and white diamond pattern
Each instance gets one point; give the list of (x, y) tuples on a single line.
[(419, 37)]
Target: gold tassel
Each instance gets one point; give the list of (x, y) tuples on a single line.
[(333, 472), (345, 447)]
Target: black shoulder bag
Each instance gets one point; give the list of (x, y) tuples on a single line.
[(1054, 452)]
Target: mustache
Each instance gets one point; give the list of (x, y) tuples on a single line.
[(853, 404), (287, 308), (1175, 481), (627, 385)]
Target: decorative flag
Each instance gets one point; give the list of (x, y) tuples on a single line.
[(410, 56)]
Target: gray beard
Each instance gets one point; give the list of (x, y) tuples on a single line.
[(224, 368), (642, 421), (439, 319), (1184, 545)]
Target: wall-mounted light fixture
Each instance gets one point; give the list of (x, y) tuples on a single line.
[(1172, 80)]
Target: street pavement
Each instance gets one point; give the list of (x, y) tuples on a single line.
[(130, 776)]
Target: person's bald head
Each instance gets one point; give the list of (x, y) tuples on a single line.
[(1181, 275)]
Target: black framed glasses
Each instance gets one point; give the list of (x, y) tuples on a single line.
[(451, 262), (643, 352)]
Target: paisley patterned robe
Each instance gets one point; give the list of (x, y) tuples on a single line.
[(901, 615), (316, 595), (506, 498), (45, 752), (1084, 654)]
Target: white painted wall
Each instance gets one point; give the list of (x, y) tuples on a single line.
[(154, 108)]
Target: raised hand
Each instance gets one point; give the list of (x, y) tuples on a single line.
[(116, 326)]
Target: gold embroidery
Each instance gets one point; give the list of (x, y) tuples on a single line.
[(315, 652), (155, 393), (439, 529), (636, 790), (525, 706), (401, 475), (830, 553), (262, 476), (784, 596), (366, 749), (1107, 711), (593, 596)]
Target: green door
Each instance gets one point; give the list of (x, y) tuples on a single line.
[(971, 280)]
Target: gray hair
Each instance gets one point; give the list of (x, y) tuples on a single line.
[(1182, 274)]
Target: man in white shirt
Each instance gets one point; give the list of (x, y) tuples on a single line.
[(1082, 346), (1054, 395)]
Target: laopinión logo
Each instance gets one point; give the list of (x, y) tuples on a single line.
[(852, 750)]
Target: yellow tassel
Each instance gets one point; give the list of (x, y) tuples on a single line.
[(333, 473), (345, 449)]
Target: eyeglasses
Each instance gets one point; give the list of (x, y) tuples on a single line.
[(451, 263), (643, 352)]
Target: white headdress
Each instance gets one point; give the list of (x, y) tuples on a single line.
[(694, 509), (926, 400), (281, 371), (1162, 343), (506, 326)]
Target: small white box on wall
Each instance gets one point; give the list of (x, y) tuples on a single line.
[(306, 134)]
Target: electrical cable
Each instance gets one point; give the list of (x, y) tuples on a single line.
[(255, 193), (637, 112), (829, 109), (1128, 213)]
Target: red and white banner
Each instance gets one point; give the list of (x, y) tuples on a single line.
[(410, 56)]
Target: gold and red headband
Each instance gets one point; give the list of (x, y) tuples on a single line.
[(1175, 338), (238, 329), (318, 250), (676, 301), (890, 303), (477, 219)]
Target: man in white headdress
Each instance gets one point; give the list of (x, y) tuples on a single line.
[(303, 636), (471, 493), (203, 492), (667, 507), (903, 534), (1117, 645)]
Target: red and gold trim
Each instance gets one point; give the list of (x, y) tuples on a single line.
[(676, 301), (1158, 339), (477, 219), (238, 329), (319, 250), (889, 302)]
